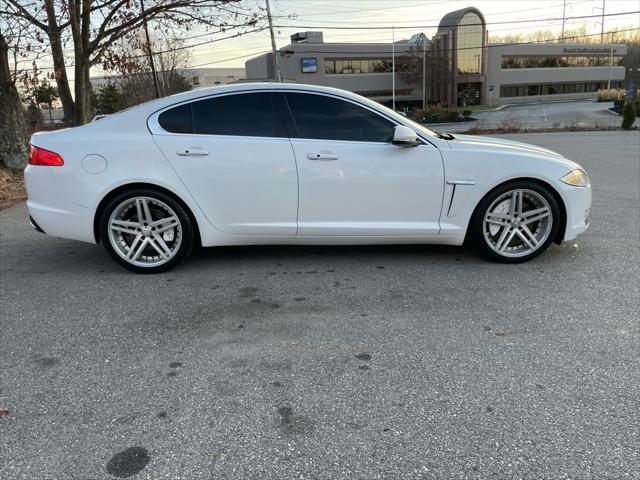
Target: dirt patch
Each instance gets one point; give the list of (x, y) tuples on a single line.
[(11, 187)]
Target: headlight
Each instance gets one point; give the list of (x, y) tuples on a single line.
[(577, 178)]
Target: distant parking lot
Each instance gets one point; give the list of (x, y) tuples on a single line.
[(331, 362), (541, 115)]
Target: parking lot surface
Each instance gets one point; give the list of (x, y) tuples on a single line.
[(331, 362), (540, 115)]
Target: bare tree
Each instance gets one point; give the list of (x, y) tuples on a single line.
[(130, 72), (91, 27), (13, 135)]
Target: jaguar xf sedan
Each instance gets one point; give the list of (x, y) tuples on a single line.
[(268, 163)]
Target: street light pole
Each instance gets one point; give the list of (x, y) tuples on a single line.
[(424, 73), (393, 67), (610, 66), (564, 9), (276, 66), (602, 26)]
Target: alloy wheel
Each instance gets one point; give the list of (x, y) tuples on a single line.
[(145, 231), (517, 223)]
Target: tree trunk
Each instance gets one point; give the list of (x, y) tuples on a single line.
[(62, 80), (57, 52), (81, 103), (13, 135)]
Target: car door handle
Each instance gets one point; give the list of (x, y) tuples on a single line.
[(322, 156), (192, 152)]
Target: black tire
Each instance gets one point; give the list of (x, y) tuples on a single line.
[(482, 239), (186, 230)]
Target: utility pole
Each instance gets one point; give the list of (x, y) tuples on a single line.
[(153, 68), (424, 73), (276, 67), (564, 10), (602, 26), (393, 67)]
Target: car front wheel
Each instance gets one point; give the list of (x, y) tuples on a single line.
[(516, 222), (146, 231)]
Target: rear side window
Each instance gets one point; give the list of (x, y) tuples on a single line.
[(177, 119), (328, 118), (246, 114)]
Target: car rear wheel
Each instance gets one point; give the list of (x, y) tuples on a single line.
[(146, 231), (516, 222)]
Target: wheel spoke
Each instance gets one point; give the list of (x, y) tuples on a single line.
[(125, 223), (536, 214), (519, 209), (129, 231), (140, 249), (162, 221), (497, 219), (506, 243), (125, 226), (157, 248), (139, 210), (133, 245), (532, 238), (513, 203), (160, 241), (173, 224), (503, 236), (524, 239), (147, 213)]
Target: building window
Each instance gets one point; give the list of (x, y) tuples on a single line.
[(554, 88), (509, 62), (469, 40), (353, 66), (401, 92)]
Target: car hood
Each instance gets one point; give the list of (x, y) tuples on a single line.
[(473, 142)]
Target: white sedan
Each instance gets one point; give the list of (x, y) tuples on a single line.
[(293, 164)]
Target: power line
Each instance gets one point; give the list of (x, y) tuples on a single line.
[(356, 27), (437, 19)]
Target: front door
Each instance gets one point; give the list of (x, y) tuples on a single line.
[(353, 181), (234, 156)]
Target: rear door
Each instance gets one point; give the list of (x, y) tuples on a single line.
[(233, 153), (353, 180)]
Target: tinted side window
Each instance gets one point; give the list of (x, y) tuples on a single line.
[(177, 120), (327, 118), (245, 114)]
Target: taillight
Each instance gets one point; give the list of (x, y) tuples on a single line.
[(40, 156)]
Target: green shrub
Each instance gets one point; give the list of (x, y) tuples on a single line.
[(453, 115), (434, 117), (466, 113), (628, 115)]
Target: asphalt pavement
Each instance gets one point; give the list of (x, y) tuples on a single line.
[(385, 362)]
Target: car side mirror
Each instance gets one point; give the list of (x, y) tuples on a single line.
[(405, 137)]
